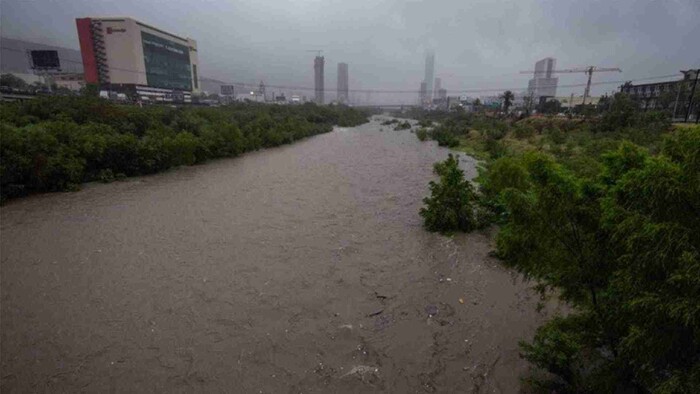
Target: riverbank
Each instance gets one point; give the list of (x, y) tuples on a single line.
[(604, 213), (58, 143)]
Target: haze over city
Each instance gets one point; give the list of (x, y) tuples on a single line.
[(477, 44)]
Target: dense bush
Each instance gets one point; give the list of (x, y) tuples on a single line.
[(624, 250), (422, 134), (405, 125), (604, 213), (452, 204), (56, 143), (444, 137)]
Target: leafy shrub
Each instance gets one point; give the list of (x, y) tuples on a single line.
[(622, 249), (422, 134), (444, 137), (405, 125), (453, 203)]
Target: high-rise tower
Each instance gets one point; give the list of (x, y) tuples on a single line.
[(429, 74), (318, 79), (437, 87), (342, 83), (543, 83)]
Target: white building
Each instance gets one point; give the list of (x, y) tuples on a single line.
[(124, 53)]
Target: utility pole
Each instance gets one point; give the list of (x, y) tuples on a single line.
[(678, 95), (692, 95), (588, 86)]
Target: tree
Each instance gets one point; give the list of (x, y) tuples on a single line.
[(13, 81), (623, 250), (452, 204), (507, 98)]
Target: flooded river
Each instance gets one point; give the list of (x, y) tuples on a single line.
[(299, 269)]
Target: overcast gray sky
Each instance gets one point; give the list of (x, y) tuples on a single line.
[(477, 44)]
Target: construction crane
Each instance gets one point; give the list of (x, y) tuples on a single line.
[(588, 70)]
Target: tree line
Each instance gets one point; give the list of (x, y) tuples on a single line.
[(57, 143), (604, 213)]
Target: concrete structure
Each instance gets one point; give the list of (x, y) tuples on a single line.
[(343, 83), (73, 82), (423, 93), (15, 59), (429, 75), (568, 102), (664, 95), (437, 87), (124, 54), (318, 79), (543, 84)]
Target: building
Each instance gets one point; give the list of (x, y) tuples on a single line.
[(575, 101), (437, 87), (126, 55), (665, 95), (543, 84), (423, 92), (429, 75), (318, 79), (73, 82), (343, 83), (16, 59)]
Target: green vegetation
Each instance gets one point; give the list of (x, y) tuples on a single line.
[(453, 204), (57, 143), (605, 214), (422, 134), (405, 125)]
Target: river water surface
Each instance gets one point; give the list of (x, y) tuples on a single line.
[(299, 269)]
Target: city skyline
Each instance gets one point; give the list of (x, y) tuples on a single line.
[(387, 48)]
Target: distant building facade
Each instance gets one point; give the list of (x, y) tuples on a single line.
[(437, 87), (318, 79), (661, 95), (429, 75), (423, 92), (123, 53), (543, 84), (15, 59), (343, 83)]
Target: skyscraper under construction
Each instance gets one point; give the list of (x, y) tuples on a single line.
[(318, 79), (342, 83)]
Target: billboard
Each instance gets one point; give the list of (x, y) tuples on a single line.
[(227, 90), (167, 63), (45, 59)]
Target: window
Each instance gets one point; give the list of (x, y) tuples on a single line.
[(167, 63), (194, 76)]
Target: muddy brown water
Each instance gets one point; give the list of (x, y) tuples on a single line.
[(299, 269)]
